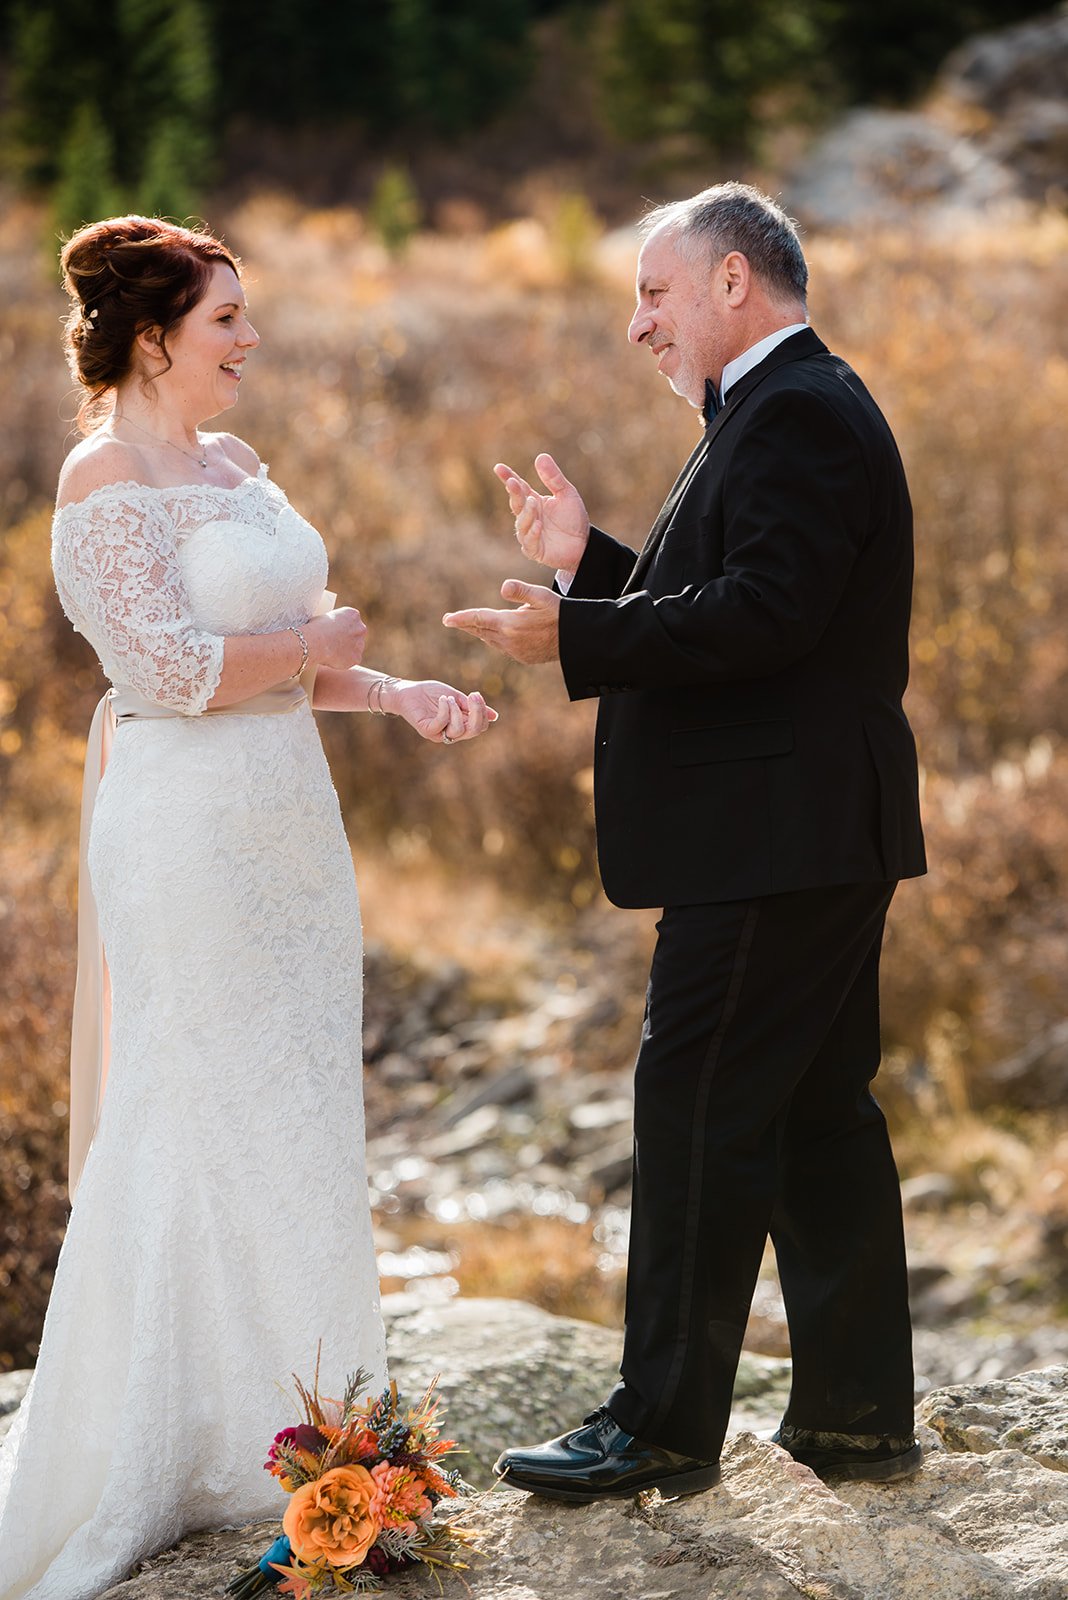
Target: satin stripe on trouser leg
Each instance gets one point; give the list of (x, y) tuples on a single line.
[(739, 1073)]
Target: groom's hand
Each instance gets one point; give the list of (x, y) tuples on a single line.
[(552, 528), (529, 635)]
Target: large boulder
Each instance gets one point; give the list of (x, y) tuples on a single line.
[(988, 1527), (13, 1386), (985, 1519), (512, 1374), (1028, 1413), (992, 136)]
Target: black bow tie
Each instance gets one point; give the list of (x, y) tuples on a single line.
[(712, 402)]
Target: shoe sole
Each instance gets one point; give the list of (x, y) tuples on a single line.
[(671, 1487), (905, 1465)]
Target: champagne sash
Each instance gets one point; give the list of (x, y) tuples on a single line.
[(90, 1023)]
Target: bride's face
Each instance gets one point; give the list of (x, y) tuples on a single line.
[(208, 349)]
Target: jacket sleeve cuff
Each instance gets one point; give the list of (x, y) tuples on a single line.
[(604, 569)]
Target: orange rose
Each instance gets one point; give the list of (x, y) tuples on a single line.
[(331, 1520)]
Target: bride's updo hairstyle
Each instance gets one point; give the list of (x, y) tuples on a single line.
[(124, 275)]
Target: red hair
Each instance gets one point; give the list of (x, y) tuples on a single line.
[(125, 275)]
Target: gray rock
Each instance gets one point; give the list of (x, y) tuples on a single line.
[(986, 1519), (924, 1273), (607, 1169), (990, 1527), (1028, 1413), (957, 1353), (993, 137), (200, 1565), (13, 1386), (1037, 1077), (928, 1191), (502, 1089), (996, 72), (476, 1129), (512, 1374), (597, 1115), (880, 166)]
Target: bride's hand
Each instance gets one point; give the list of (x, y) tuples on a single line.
[(439, 713), (337, 639)]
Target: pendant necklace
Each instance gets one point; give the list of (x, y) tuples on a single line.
[(201, 460)]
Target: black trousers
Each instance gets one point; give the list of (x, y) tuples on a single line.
[(753, 1116)]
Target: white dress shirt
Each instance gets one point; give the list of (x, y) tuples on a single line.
[(753, 356)]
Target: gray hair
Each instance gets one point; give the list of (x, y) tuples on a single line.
[(734, 216)]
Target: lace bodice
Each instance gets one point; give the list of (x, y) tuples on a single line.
[(157, 578)]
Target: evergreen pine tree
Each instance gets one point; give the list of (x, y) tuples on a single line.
[(164, 187), (166, 102), (64, 54), (85, 189), (700, 67), (413, 47), (452, 66), (395, 212)]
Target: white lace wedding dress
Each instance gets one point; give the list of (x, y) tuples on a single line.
[(221, 1225)]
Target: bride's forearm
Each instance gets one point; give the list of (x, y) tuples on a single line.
[(256, 661), (347, 691)]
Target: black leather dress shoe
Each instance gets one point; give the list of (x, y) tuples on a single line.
[(832, 1456), (601, 1461)]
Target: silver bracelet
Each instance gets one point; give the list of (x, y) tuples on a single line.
[(303, 648), (381, 684)]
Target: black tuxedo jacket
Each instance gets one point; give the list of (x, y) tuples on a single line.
[(752, 658)]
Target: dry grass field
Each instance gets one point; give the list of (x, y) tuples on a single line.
[(382, 394)]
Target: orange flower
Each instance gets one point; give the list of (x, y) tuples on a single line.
[(437, 1483), (331, 1519), (400, 1497)]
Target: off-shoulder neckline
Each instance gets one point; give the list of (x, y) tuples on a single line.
[(125, 484)]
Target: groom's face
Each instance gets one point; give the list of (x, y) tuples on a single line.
[(678, 316)]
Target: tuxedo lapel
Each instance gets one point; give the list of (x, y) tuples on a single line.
[(796, 348), (799, 345), (678, 489)]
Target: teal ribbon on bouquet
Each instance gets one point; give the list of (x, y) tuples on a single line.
[(265, 1574)]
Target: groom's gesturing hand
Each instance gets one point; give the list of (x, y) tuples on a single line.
[(551, 528), (529, 635)]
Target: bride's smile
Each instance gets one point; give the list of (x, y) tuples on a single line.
[(207, 352)]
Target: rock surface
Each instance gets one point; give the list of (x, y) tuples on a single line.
[(1037, 1076), (994, 133), (511, 1374), (1028, 1413), (13, 1386), (985, 1527), (986, 1518)]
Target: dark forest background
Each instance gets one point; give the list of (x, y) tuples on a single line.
[(152, 103)]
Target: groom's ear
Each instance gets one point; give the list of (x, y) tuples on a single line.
[(735, 275)]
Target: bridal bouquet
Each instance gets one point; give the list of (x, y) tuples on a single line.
[(364, 1477)]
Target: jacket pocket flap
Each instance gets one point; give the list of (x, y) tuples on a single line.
[(732, 741)]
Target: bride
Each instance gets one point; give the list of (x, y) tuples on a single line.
[(220, 1226)]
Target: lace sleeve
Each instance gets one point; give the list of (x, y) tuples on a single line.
[(116, 569)]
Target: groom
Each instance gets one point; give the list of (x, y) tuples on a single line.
[(755, 777)]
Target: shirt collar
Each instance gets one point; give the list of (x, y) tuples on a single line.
[(754, 356)]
